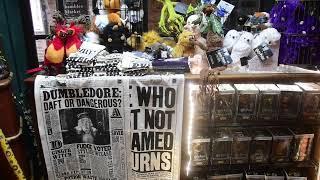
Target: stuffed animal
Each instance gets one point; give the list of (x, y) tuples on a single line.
[(231, 39), (185, 46), (73, 41), (114, 37), (197, 63), (113, 8), (242, 48), (148, 39), (269, 36), (214, 41)]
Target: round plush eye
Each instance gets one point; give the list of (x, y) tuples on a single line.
[(233, 37), (70, 32), (62, 34)]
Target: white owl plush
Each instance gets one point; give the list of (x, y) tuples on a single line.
[(231, 39), (243, 47), (269, 36)]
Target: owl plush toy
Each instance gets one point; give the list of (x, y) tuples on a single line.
[(231, 39), (242, 48)]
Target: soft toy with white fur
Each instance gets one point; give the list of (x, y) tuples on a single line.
[(231, 39), (269, 36), (242, 48)]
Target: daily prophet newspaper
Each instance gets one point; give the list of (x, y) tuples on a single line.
[(111, 128)]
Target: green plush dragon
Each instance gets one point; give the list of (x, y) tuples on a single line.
[(170, 22)]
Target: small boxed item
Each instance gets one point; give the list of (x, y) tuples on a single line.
[(200, 105), (302, 144), (233, 175), (281, 144), (255, 175), (275, 174), (247, 95), (221, 147), (200, 151), (260, 147), (290, 102), (240, 146), (295, 174), (224, 104), (311, 102), (268, 102)]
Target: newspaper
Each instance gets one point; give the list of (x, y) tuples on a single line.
[(117, 128)]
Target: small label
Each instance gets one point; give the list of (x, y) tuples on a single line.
[(263, 52), (220, 57)]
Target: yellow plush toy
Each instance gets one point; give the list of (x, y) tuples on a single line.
[(149, 39), (185, 45)]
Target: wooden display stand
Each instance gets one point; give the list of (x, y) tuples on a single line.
[(9, 123)]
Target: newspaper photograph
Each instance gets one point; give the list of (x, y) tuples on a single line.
[(104, 128)]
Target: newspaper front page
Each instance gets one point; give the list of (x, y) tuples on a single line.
[(105, 128)]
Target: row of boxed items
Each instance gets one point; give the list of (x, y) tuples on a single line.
[(264, 102), (241, 146), (255, 174)]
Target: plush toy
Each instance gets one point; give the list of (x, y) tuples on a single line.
[(113, 8), (242, 48), (184, 47), (231, 39), (171, 23), (269, 36), (259, 21), (134, 41), (73, 41), (149, 38), (214, 41), (115, 37)]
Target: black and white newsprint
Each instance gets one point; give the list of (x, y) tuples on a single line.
[(111, 128)]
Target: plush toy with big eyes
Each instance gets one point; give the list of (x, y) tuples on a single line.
[(231, 39), (114, 37), (242, 48), (268, 36)]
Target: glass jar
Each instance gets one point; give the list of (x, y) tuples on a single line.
[(290, 102), (247, 95)]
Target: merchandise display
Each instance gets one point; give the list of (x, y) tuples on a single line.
[(311, 102), (302, 144), (240, 146), (215, 100), (224, 104), (247, 96), (281, 144), (290, 101), (268, 102), (221, 147), (260, 147)]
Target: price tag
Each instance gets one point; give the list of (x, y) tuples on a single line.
[(263, 52), (220, 57)]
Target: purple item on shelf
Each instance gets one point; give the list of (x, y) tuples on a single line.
[(171, 64)]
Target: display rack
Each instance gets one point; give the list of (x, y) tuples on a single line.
[(311, 167)]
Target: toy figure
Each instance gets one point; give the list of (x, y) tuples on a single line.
[(149, 39), (171, 23), (115, 37), (268, 36), (184, 47), (73, 41), (231, 39), (242, 48)]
